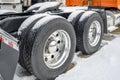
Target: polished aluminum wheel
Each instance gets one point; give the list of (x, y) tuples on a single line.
[(56, 49), (94, 34)]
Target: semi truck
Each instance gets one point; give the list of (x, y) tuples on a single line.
[(44, 37)]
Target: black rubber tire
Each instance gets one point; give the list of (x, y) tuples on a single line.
[(74, 17), (8, 29), (23, 33), (82, 32), (35, 44)]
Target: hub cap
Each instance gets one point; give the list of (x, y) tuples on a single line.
[(56, 49), (94, 33)]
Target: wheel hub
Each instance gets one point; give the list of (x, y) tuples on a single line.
[(56, 49), (94, 33)]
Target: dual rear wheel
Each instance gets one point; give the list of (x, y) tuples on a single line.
[(48, 43), (89, 30), (48, 47)]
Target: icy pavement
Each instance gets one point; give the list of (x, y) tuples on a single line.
[(22, 74), (103, 65)]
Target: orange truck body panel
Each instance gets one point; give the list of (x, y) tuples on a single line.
[(104, 3)]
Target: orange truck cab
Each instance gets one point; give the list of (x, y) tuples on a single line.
[(104, 3)]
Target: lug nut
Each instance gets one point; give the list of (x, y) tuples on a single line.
[(52, 56), (57, 34), (58, 42), (57, 50)]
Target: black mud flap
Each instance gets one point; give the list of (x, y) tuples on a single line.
[(8, 62), (9, 56)]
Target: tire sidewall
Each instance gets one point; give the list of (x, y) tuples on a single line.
[(37, 60), (74, 18), (23, 32), (88, 47)]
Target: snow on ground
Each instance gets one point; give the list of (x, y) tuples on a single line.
[(112, 28), (103, 65), (22, 74)]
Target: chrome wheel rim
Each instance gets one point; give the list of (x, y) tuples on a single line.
[(94, 34), (56, 49)]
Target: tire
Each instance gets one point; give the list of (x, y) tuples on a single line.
[(8, 28), (37, 40), (91, 45), (74, 18), (23, 33)]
